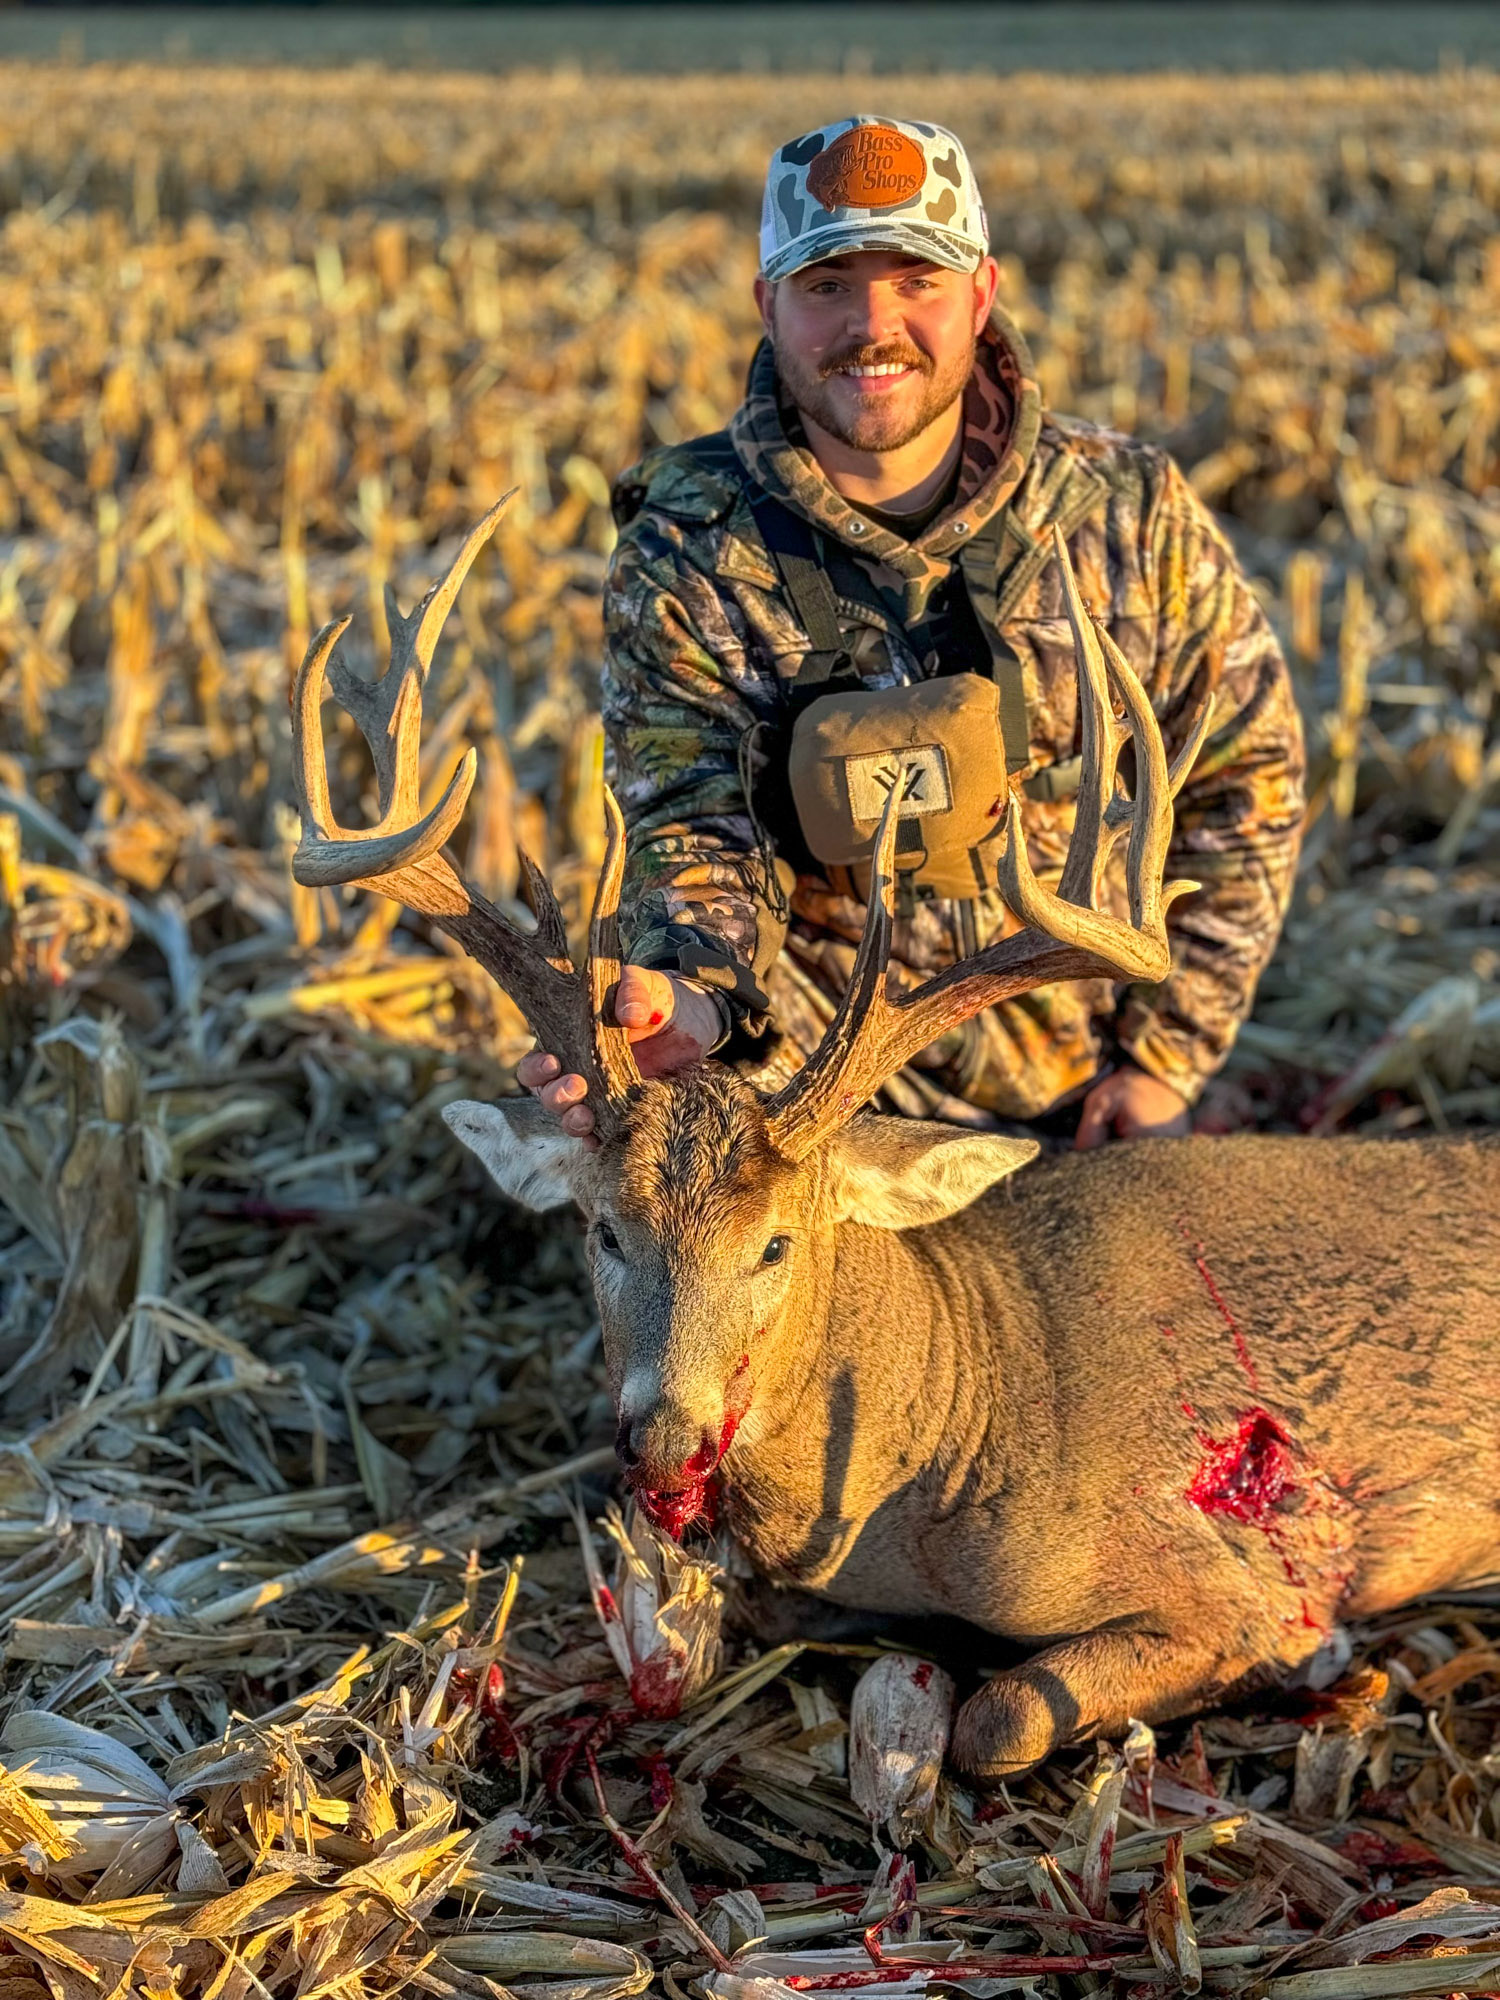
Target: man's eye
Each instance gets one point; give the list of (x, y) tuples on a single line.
[(775, 1250), (608, 1239)]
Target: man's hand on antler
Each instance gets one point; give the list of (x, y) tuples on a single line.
[(671, 1024), (1131, 1105)]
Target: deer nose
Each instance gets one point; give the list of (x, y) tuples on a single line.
[(666, 1446)]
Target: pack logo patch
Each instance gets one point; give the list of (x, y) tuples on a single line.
[(921, 773), (869, 166)]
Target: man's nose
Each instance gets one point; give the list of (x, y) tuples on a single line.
[(874, 316)]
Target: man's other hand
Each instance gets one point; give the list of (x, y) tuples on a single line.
[(1128, 1104), (670, 1023)]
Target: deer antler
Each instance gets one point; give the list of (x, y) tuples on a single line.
[(570, 1012), (1065, 937)]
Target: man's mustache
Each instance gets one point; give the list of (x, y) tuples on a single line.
[(877, 357)]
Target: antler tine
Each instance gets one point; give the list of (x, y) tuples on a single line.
[(1101, 739), (551, 932), (401, 855), (822, 1094), (329, 854), (1137, 949), (1065, 936), (377, 706), (310, 773), (1151, 815), (414, 637), (616, 1059), (1187, 756)]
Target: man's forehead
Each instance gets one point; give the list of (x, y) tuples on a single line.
[(870, 262)]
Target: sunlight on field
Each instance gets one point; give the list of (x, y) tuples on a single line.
[(269, 342)]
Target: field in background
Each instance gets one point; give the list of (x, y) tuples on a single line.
[(850, 35), (269, 343)]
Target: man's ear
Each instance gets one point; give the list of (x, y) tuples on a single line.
[(527, 1155), (901, 1173)]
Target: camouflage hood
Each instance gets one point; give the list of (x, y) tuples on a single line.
[(1002, 415)]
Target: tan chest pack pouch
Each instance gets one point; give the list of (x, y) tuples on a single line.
[(940, 744)]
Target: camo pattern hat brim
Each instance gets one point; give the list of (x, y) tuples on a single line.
[(871, 183)]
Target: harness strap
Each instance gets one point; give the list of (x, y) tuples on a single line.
[(977, 566), (809, 565), (789, 541)]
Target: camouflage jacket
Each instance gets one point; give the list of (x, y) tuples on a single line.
[(703, 652)]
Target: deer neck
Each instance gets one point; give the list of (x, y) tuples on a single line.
[(880, 1381)]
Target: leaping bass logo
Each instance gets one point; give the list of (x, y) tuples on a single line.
[(870, 166), (921, 772)]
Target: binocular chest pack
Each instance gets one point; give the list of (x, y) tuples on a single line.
[(947, 744), (939, 745)]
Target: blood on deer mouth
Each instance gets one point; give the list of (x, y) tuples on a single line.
[(676, 1506)]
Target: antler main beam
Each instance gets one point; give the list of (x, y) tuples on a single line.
[(1066, 935), (568, 1010)]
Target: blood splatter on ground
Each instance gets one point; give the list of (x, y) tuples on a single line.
[(656, 1684)]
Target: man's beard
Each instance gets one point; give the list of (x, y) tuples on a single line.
[(875, 428)]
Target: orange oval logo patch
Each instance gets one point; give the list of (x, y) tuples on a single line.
[(870, 166)]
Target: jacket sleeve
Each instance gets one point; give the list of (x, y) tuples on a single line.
[(682, 702), (1239, 815)]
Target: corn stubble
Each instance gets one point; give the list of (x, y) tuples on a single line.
[(305, 1688)]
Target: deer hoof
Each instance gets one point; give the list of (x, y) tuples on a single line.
[(1012, 1723)]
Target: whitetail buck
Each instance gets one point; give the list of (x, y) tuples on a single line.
[(1163, 1412)]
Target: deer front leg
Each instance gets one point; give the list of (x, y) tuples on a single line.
[(1090, 1685)]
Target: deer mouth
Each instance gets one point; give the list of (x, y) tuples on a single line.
[(675, 1503)]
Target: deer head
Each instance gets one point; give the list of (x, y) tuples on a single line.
[(712, 1209)]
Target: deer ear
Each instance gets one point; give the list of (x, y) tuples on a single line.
[(900, 1173), (525, 1153)]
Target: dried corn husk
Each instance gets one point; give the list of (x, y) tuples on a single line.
[(662, 1618), (93, 1803), (1169, 1924), (568, 1968), (899, 1721), (1436, 1034), (825, 1735)]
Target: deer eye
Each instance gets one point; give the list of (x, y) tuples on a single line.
[(607, 1238), (775, 1250)]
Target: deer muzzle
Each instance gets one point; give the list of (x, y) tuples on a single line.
[(669, 1458)]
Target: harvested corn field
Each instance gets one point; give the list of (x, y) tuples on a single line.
[(307, 1689)]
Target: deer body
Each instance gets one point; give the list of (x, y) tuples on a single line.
[(1164, 1414), (1215, 1392)]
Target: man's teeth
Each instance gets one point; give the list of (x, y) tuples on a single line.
[(880, 368)]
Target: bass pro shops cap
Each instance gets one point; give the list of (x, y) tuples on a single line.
[(871, 183)]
